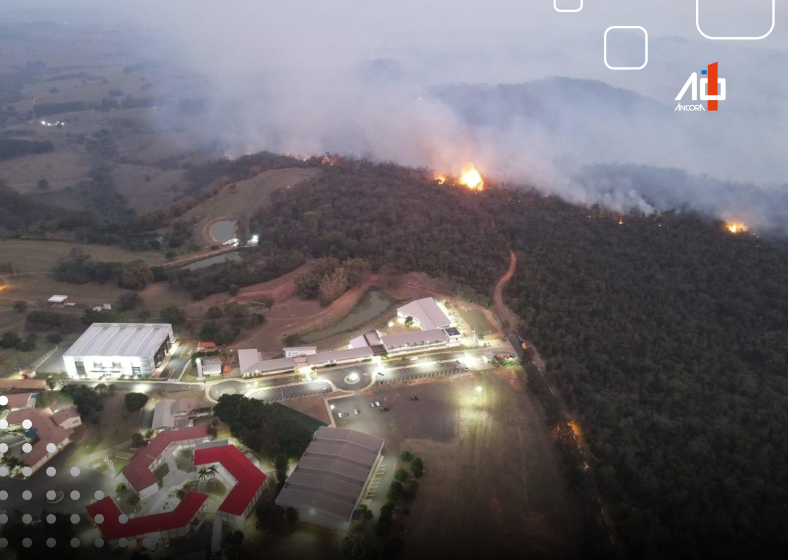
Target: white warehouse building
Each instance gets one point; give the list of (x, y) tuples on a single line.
[(115, 349)]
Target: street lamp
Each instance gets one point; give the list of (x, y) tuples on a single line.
[(478, 388)]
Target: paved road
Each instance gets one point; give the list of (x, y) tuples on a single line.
[(178, 360), (358, 376)]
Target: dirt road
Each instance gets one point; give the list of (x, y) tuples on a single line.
[(504, 313)]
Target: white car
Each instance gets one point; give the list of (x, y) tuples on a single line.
[(356, 411)]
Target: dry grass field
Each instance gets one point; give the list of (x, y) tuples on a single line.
[(249, 196), (491, 488), (41, 256)]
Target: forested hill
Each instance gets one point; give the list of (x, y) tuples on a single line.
[(668, 337), (389, 215)]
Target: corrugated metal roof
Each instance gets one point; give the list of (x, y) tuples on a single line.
[(339, 355), (270, 365), (427, 312), (331, 475), (247, 358), (120, 339), (326, 432), (335, 464), (353, 451), (323, 502), (416, 337), (319, 359)]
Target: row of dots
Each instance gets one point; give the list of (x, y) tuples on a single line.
[(75, 542), (27, 448), (27, 471), (51, 495)]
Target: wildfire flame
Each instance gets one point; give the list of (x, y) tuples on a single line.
[(440, 179), (471, 178), (736, 228)]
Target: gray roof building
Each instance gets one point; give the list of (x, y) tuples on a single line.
[(426, 314), (120, 339), (332, 476)]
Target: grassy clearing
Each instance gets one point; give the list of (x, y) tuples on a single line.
[(245, 199), (40, 256)]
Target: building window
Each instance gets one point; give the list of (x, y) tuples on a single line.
[(80, 368), (136, 370)]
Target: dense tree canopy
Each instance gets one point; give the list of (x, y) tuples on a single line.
[(266, 428), (668, 336), (390, 215)]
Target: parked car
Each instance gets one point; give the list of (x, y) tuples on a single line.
[(384, 409), (356, 411), (377, 403), (414, 398), (380, 373)]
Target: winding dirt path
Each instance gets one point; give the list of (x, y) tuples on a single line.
[(504, 313)]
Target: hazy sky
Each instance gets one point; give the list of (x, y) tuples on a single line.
[(289, 76)]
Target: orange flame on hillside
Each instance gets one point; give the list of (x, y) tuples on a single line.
[(440, 179), (736, 228), (471, 178)]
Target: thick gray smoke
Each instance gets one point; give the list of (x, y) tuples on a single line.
[(423, 82)]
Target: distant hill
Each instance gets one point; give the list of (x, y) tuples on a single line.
[(553, 102)]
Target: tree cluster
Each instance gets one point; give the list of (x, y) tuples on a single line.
[(135, 401), (230, 276), (11, 147), (330, 278), (265, 428), (88, 401)]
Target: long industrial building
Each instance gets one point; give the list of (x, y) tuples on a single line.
[(332, 476), (436, 332), (115, 349), (252, 364)]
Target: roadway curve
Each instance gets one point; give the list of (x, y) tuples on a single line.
[(500, 307)]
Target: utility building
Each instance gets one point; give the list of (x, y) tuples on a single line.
[(332, 477), (115, 349), (426, 314)]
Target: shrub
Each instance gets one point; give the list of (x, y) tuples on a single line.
[(135, 401), (401, 475), (417, 466)]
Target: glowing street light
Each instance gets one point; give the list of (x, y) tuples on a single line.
[(478, 388), (332, 407)]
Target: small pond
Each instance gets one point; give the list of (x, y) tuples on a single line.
[(223, 231), (205, 263), (371, 304)]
